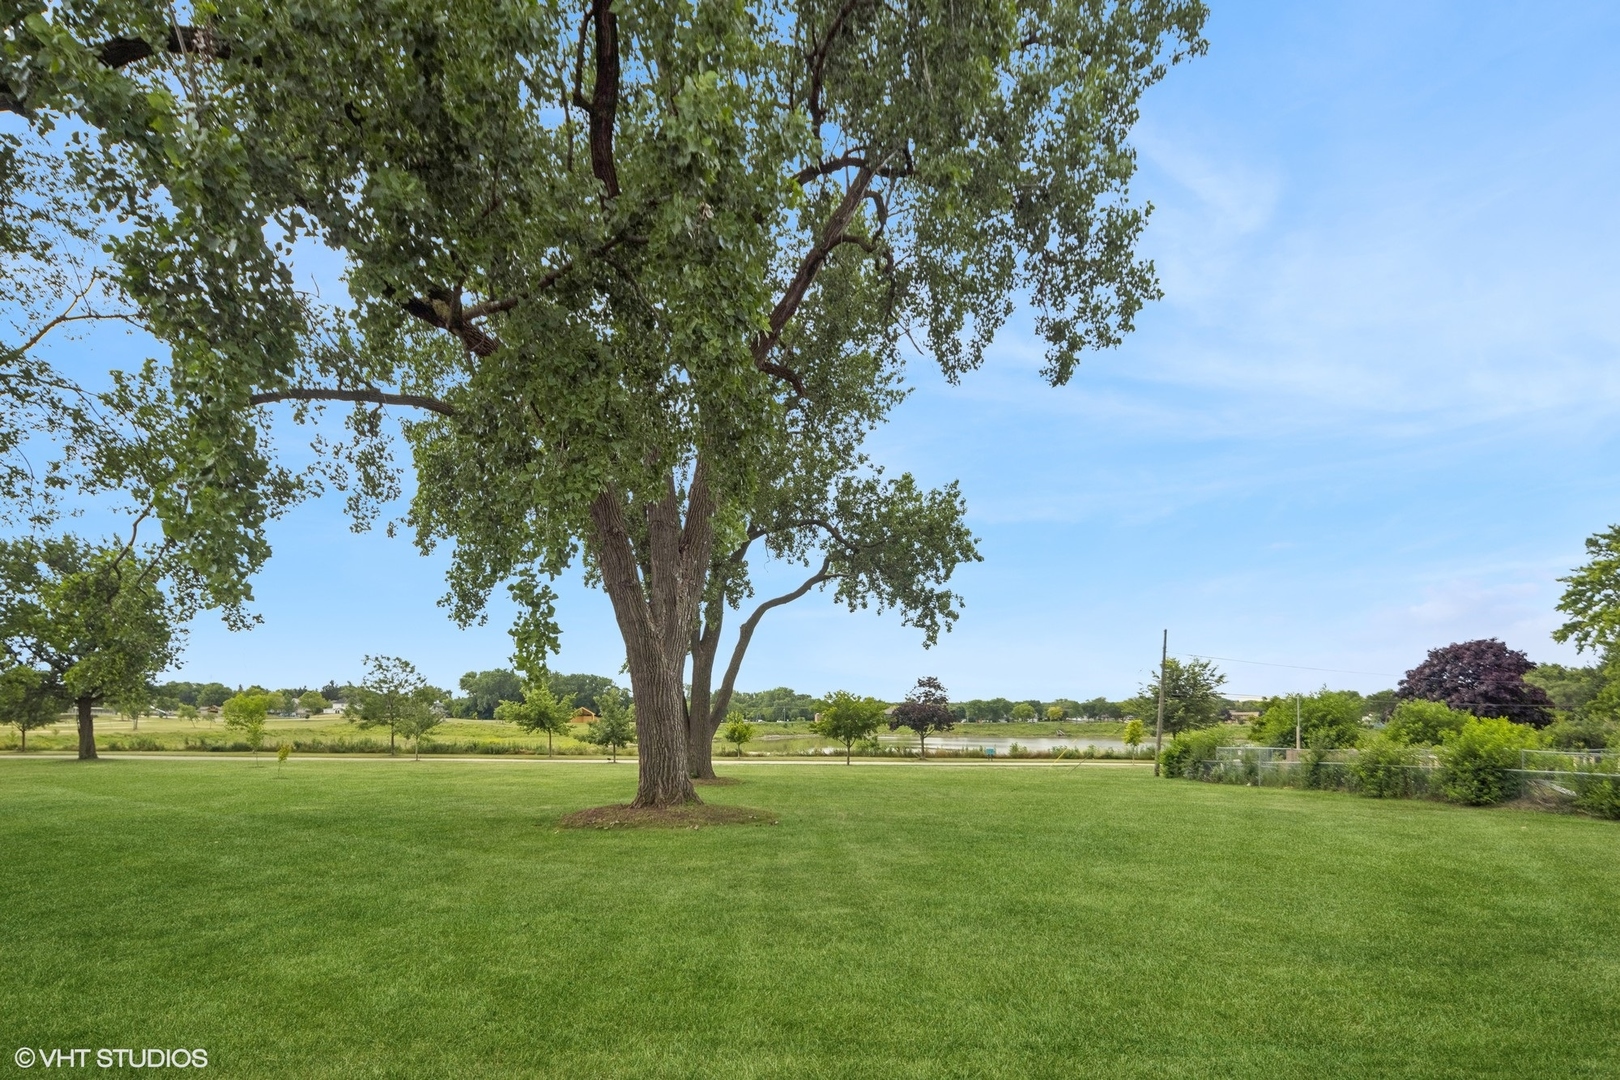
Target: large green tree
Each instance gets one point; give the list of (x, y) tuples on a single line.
[(91, 620), (633, 262), (1192, 696), (28, 700)]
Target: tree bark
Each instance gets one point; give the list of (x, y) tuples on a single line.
[(655, 602), (700, 722), (87, 730)]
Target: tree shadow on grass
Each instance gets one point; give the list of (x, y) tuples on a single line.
[(694, 816)]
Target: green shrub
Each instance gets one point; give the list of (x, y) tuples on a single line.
[(1191, 747), (1327, 719), (1477, 763), (1600, 795), (1382, 767), (1577, 733), (1424, 723)]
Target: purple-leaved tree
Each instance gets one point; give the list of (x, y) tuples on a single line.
[(1483, 677)]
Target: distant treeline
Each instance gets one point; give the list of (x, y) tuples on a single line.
[(482, 691)]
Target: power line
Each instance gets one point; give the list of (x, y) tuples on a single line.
[(1294, 667)]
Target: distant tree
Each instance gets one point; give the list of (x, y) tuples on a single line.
[(313, 703), (586, 690), (392, 696), (1191, 696), (1424, 723), (738, 731), (212, 695), (332, 691), (927, 709), (91, 620), (1327, 719), (1133, 734), (1056, 712), (246, 712), (180, 693), (615, 726), (540, 710), (1023, 712), (1482, 677), (1100, 708), (418, 722), (132, 705), (1380, 705), (847, 718), (487, 689), (28, 700), (187, 712), (1573, 689)]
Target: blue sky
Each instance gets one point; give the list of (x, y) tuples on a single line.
[(1374, 413)]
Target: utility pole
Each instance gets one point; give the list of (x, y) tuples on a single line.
[(1296, 724), (1158, 729)]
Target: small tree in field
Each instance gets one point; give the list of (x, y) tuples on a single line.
[(27, 701), (1055, 713), (615, 727), (417, 723), (540, 710), (846, 718), (132, 707), (313, 703), (1134, 734), (246, 713), (393, 695), (283, 752), (927, 709), (738, 731), (90, 619), (187, 712)]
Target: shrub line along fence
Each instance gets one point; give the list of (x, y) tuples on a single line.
[(1586, 780)]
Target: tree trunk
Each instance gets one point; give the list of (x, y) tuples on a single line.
[(23, 732), (655, 602), (87, 730), (390, 740), (700, 722)]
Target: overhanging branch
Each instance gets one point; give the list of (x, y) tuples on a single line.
[(374, 397)]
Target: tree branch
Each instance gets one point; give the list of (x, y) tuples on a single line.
[(745, 633), (604, 101), (375, 397), (814, 172), (832, 235)]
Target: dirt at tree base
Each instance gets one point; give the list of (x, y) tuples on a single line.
[(692, 816)]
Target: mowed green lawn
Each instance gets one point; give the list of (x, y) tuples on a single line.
[(401, 919)]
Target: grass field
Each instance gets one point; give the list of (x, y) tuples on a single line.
[(400, 919), (331, 732)]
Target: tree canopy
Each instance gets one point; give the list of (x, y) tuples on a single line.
[(90, 620), (1484, 677), (1191, 696), (486, 690), (926, 710), (645, 269)]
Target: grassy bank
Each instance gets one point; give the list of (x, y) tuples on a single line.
[(331, 734), (404, 919)]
